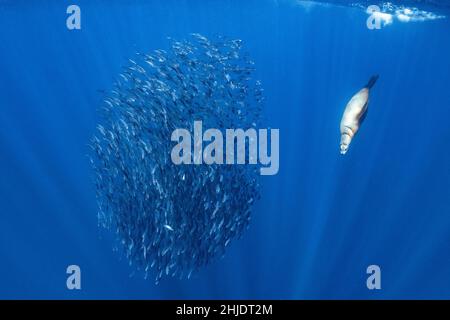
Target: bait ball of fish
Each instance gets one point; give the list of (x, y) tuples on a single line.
[(175, 218)]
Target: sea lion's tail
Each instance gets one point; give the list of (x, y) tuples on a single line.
[(371, 82)]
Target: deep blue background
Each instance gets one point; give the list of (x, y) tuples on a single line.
[(321, 221)]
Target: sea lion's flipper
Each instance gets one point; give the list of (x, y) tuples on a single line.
[(371, 82)]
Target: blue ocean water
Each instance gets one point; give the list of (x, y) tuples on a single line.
[(320, 221)]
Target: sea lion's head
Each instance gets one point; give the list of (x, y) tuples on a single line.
[(345, 142)]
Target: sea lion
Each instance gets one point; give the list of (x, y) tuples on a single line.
[(354, 114)]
